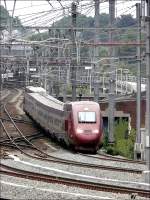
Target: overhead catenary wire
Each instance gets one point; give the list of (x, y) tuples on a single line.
[(49, 3), (55, 16), (81, 6), (64, 8), (54, 12), (5, 4), (11, 21), (60, 4), (13, 8), (36, 18), (57, 9)]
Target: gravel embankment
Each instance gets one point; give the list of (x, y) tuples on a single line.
[(97, 175), (27, 189), (76, 157), (4, 94)]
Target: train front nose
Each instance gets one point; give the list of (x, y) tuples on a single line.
[(87, 136)]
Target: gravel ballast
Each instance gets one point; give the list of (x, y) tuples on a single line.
[(17, 188), (99, 176)]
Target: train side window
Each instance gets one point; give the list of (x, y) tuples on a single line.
[(66, 125)]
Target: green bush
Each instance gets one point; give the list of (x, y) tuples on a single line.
[(124, 142), (111, 150), (105, 140)]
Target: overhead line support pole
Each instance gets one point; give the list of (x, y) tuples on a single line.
[(74, 59), (1, 86), (111, 95), (147, 20), (137, 148), (96, 49)]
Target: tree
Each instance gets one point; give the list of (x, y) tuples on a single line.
[(4, 16), (88, 22), (125, 21), (104, 20), (5, 19)]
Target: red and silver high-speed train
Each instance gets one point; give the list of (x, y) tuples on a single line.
[(78, 124)]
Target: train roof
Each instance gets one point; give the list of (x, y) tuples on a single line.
[(83, 103), (35, 89), (134, 86), (48, 101)]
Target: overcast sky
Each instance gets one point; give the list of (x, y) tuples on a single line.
[(26, 9)]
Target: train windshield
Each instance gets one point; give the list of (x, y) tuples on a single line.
[(87, 117)]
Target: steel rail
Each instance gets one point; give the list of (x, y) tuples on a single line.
[(75, 163), (123, 159), (111, 158), (13, 143), (21, 134), (17, 120), (72, 182), (6, 98), (64, 161), (14, 146), (51, 158), (30, 137)]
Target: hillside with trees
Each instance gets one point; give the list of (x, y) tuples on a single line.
[(123, 35), (6, 19), (88, 22)]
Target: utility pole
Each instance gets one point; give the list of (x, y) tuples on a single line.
[(0, 76), (147, 148), (1, 86), (1, 81), (43, 70), (27, 71), (137, 147), (111, 95), (50, 80), (96, 48), (142, 12), (74, 50), (37, 64)]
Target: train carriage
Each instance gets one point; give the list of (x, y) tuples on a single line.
[(78, 124)]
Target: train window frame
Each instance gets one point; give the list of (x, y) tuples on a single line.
[(87, 122)]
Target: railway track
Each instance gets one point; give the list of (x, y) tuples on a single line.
[(122, 159), (7, 170), (64, 161), (22, 143), (20, 140), (100, 156), (17, 120), (112, 158), (10, 93), (25, 142), (39, 154), (11, 141), (47, 157), (2, 96)]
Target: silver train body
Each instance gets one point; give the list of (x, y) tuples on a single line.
[(48, 112), (77, 124)]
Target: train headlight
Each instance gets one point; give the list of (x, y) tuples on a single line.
[(79, 130), (95, 131)]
